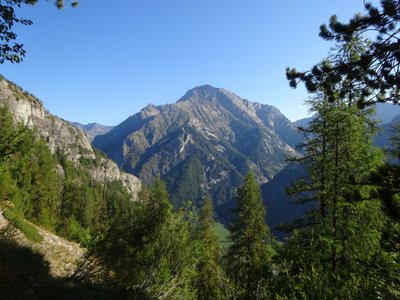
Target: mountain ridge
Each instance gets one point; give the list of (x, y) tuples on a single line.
[(211, 134), (93, 129)]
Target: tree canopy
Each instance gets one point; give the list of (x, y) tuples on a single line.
[(249, 257), (376, 72), (10, 50)]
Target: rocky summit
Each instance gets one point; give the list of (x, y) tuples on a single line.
[(203, 144)]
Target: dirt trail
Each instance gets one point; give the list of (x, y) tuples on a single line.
[(61, 254)]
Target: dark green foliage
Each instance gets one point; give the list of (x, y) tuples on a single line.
[(386, 178), (9, 189), (362, 243), (80, 199), (249, 257), (10, 51), (27, 229), (190, 180), (75, 231), (151, 254), (308, 268), (339, 253), (211, 280), (88, 206), (118, 202), (43, 189), (222, 234), (10, 137), (69, 202), (28, 177), (374, 73), (58, 194)]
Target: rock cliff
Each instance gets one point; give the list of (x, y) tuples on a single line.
[(61, 136)]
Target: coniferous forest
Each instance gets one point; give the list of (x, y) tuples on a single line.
[(346, 247)]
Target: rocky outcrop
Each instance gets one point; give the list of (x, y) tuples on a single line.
[(108, 170), (61, 135)]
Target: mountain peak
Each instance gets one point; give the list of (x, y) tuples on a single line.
[(203, 92), (208, 140), (204, 88), (149, 111)]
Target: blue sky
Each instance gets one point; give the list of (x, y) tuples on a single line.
[(105, 60)]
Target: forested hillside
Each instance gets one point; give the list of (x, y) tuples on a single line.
[(51, 190), (211, 153), (148, 250)]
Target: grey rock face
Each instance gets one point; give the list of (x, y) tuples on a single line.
[(202, 145), (61, 135)]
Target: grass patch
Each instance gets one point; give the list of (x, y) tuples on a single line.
[(223, 234), (28, 230)]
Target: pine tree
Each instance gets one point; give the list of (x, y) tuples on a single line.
[(10, 142), (211, 280), (338, 254), (346, 228), (151, 253), (375, 72), (387, 179), (249, 256), (11, 136), (45, 184)]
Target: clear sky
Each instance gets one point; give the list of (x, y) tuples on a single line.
[(105, 60)]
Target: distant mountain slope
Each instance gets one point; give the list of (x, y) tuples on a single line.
[(281, 208), (93, 129), (386, 112), (303, 122), (386, 132), (387, 116), (203, 144)]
